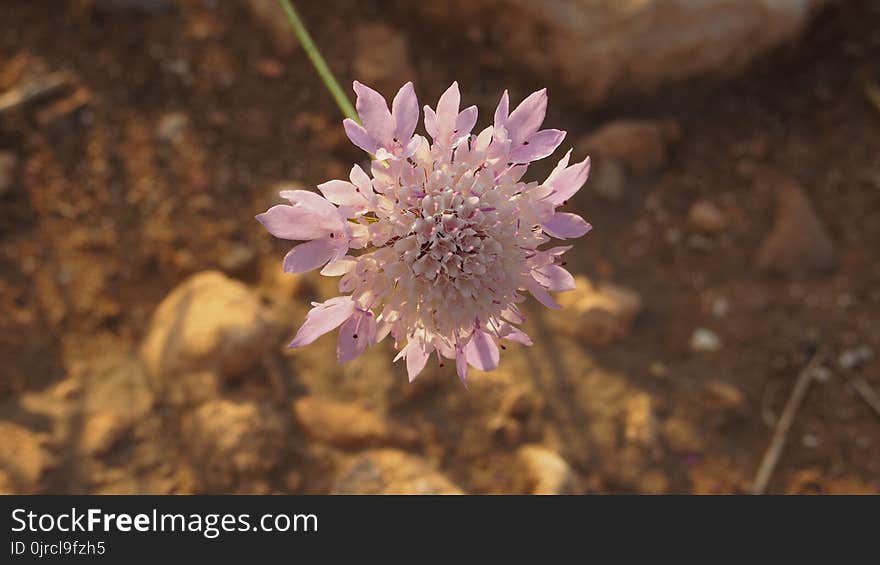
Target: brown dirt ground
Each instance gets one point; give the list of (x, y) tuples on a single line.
[(105, 217)]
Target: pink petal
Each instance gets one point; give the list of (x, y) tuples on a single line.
[(416, 358), (361, 180), (513, 333), (542, 296), (554, 278), (447, 110), (309, 256), (299, 222), (537, 146), (359, 136), (565, 226), (482, 352), (466, 121), (405, 110), (528, 116), (322, 319), (342, 193), (374, 113), (501, 111), (568, 181), (354, 336), (431, 123), (461, 366)]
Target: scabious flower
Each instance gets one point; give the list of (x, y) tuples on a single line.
[(438, 243)]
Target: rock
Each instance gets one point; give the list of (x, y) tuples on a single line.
[(852, 358), (705, 341), (23, 457), (391, 471), (232, 442), (608, 179), (269, 15), (8, 163), (706, 217), (208, 323), (102, 432), (348, 425), (171, 127), (546, 472), (640, 426), (719, 395), (798, 241), (381, 57), (681, 436), (602, 47), (641, 145), (598, 315)]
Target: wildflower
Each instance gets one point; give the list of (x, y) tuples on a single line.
[(446, 233)]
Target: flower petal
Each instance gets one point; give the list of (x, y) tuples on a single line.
[(309, 256), (537, 146), (465, 122), (554, 278), (405, 111), (323, 318), (501, 111), (565, 226), (416, 358), (342, 193), (461, 366), (359, 136), (513, 333), (447, 110), (568, 181), (541, 295), (528, 116), (354, 336), (299, 222), (481, 351), (374, 113)]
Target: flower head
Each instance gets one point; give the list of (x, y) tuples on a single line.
[(445, 233)]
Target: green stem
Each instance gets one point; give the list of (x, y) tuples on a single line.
[(318, 61)]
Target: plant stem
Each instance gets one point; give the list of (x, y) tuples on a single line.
[(318, 61)]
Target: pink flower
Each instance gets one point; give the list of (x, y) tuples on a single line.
[(449, 232)]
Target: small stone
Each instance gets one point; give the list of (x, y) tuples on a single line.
[(642, 145), (102, 432), (798, 241), (381, 57), (681, 435), (707, 217), (171, 127), (597, 314), (8, 163), (810, 441), (719, 396), (230, 443), (640, 426), (852, 358), (658, 369), (208, 323), (720, 307), (348, 425), (546, 472), (270, 68), (705, 341), (23, 457), (391, 471), (608, 179)]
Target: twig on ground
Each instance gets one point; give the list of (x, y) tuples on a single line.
[(866, 392), (34, 89), (780, 435)]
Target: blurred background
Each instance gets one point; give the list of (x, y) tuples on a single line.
[(735, 199)]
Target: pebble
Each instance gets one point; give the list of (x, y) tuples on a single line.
[(707, 217), (852, 358), (705, 341)]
